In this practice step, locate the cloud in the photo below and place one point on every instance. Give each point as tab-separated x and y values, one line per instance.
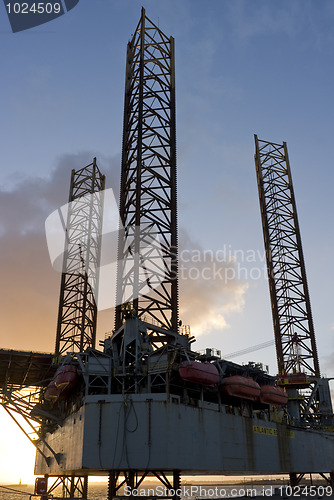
327	367
29	293
209	291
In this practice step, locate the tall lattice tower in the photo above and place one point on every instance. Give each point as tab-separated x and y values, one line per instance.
147	272
77	316
291	308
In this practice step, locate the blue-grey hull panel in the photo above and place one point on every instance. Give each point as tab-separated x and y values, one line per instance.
147	431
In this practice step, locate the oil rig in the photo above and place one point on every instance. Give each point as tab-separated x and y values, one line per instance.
143	403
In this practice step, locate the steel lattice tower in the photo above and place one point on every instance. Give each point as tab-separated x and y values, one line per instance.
291	309
77	316
147	253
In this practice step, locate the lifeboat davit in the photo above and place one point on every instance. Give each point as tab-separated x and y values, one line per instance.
199	373
65	379
272	395
241	387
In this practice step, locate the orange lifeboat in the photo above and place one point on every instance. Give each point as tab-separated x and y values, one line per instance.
52	393
241	387
272	395
65	379
199	373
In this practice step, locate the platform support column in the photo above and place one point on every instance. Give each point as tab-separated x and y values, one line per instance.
331	479
73	487
112	484
293	479
78	485
296	478
176	484
134	479
131	479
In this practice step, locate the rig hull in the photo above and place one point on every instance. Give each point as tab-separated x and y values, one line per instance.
157	432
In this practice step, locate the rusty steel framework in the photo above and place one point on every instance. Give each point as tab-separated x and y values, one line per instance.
71	487
76	329
133	479
291	309
147	271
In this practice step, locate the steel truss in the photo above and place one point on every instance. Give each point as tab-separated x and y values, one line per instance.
147	251
295	478
76	329
20	404
76	487
73	487
291	308
133	479
139	351
21	392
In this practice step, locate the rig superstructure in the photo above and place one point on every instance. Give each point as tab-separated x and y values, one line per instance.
146	404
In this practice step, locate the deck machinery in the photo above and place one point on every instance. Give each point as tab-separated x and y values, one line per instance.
144	403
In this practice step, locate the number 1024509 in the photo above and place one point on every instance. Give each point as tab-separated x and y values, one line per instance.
35	8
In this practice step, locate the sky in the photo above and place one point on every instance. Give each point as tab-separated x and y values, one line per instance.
243	67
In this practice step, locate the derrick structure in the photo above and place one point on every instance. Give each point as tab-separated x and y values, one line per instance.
291	309
77	314
147	281
297	357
